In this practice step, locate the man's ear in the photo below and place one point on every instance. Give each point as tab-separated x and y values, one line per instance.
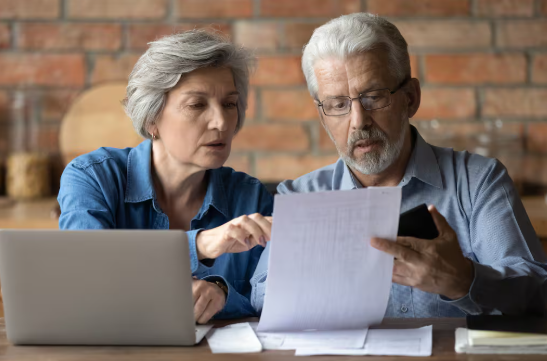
414	96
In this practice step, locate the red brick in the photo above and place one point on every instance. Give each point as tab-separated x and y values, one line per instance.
4	106
198	9
241	163
308	8
539	69
298	34
139	35
446	103
543	7
537	137
257	35
119	9
5	35
456	34
48	138
476	68
30	9
48	36
109	67
414	69
499	8
250	114
272	137
42	69
278	70
325	143
289	104
281	167
55	103
419	7
515	103
522	33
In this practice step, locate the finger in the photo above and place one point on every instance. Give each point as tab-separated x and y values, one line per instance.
238	235
440	222
265	223
404	281
254	230
416	244
396	250
200	307
401	269
195	290
211	310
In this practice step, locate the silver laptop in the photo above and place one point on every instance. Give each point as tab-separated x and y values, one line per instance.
116	287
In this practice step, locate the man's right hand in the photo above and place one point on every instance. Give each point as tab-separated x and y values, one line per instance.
238	235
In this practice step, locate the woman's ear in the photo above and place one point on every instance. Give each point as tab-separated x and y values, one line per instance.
414	96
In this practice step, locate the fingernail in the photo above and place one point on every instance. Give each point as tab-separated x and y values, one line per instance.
262	241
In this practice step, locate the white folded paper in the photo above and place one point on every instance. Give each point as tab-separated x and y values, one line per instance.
236	338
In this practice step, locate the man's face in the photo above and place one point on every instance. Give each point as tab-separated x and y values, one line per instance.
369	141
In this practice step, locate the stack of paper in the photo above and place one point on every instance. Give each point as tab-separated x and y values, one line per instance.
496	342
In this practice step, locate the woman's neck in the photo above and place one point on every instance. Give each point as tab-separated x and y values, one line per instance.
176	183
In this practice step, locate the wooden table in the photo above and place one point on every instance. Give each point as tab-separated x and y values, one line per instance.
443	349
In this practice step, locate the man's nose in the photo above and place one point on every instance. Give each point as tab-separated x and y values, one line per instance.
360	118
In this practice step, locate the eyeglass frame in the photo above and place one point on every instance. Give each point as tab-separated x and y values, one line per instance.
403	83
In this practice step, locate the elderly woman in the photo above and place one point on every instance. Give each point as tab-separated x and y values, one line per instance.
187	95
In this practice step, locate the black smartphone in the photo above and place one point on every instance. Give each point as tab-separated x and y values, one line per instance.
418	223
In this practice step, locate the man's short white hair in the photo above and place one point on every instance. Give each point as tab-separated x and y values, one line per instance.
353	34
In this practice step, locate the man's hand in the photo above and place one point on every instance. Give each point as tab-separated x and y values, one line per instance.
209	300
238	235
435	266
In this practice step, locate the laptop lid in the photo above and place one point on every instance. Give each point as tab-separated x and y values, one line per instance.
103	287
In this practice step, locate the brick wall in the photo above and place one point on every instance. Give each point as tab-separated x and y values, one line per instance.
482	65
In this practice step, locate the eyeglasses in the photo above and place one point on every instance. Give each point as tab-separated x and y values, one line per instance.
371	100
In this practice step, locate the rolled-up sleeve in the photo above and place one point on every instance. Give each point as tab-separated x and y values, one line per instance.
510	266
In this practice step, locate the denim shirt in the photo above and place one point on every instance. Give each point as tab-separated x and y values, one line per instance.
477	197
112	188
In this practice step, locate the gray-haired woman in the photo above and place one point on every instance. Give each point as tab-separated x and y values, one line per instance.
187	95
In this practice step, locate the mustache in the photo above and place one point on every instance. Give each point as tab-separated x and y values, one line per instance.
373	134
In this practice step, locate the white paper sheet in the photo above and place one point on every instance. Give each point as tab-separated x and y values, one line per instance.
311	339
323	273
201	331
411	342
236	338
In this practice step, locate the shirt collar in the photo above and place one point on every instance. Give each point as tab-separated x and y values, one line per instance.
215	195
422	165
140	188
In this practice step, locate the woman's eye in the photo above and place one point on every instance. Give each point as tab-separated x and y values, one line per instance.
230	105
197	106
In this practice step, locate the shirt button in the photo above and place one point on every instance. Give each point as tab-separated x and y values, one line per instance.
404	309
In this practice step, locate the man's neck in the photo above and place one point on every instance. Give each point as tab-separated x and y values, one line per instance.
393	174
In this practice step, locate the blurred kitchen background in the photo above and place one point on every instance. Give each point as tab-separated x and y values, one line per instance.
64	64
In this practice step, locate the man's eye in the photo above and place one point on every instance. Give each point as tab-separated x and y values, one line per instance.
372	97
340	105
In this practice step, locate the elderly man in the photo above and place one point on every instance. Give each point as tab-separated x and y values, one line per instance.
487	258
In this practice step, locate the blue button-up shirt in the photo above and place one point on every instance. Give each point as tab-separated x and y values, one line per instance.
112	188
477	197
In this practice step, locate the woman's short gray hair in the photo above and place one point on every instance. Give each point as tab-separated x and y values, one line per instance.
354	34
166	61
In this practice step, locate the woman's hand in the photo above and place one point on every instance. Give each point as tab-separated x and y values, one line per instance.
209	300
238	235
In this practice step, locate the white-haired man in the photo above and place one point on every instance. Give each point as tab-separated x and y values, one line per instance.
487	258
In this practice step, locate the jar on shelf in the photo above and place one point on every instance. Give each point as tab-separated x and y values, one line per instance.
27	169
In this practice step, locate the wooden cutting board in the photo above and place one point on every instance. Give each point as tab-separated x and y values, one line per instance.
97	119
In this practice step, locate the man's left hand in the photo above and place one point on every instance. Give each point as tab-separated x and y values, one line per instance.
435	266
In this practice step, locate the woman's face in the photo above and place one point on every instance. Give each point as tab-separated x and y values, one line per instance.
200	117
